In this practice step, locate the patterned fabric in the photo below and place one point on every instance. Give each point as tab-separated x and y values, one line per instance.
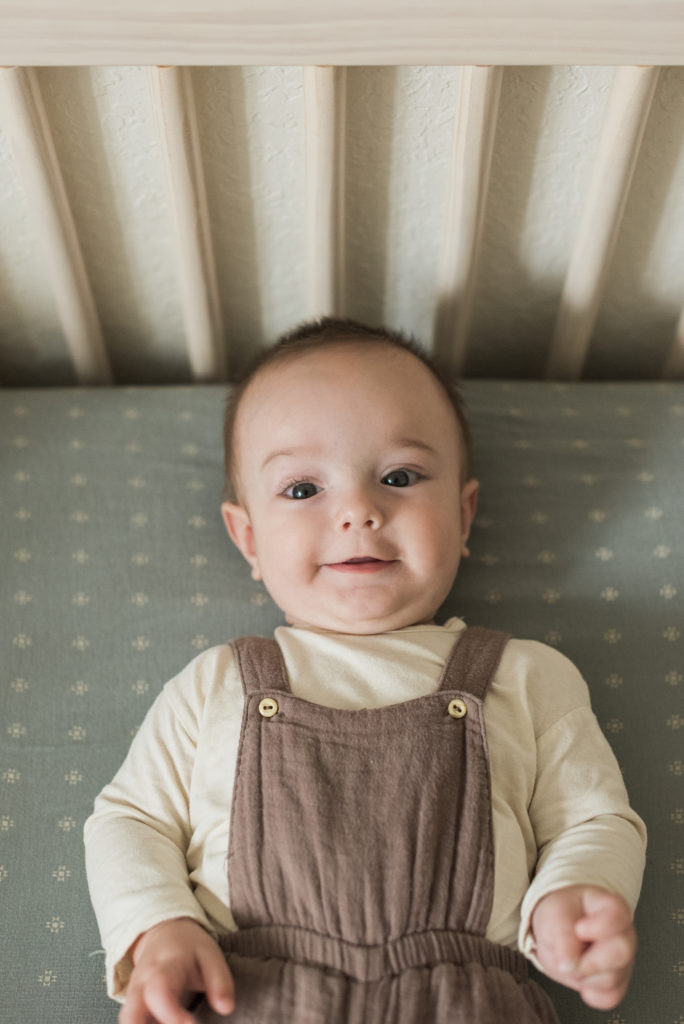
116	570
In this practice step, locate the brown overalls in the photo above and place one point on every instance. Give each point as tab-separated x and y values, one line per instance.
361	856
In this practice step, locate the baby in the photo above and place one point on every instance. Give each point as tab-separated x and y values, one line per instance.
371	817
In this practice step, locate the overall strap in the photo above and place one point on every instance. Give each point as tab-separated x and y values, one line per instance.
261	664
473	660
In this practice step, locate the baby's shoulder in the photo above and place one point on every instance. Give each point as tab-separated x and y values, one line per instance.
210	676
546	683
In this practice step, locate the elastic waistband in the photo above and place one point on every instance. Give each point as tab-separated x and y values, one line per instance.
371	963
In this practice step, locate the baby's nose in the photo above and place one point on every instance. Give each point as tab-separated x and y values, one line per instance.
359	512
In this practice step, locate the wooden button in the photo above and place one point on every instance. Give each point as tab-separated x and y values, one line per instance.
268	707
457	708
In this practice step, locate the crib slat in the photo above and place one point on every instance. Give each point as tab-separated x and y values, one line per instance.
674	364
176	119
474	129
325	111
623	128
25	120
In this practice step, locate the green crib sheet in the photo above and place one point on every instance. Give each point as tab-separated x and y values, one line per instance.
116	571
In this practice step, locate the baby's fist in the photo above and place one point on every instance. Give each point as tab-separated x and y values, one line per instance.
586	940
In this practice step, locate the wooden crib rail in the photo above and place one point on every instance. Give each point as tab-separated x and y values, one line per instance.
24	118
79	32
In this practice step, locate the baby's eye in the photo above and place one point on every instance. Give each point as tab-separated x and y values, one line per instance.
301	489
400	478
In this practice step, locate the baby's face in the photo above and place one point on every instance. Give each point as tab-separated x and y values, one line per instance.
349	466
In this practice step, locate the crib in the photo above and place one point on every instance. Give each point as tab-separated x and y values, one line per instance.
503	180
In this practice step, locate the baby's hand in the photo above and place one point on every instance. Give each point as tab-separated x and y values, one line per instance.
170	962
586	940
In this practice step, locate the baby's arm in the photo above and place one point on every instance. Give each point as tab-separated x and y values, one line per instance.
585	939
170	962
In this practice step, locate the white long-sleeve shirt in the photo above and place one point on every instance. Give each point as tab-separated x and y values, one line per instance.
157	841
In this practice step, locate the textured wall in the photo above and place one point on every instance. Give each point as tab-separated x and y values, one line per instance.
398	148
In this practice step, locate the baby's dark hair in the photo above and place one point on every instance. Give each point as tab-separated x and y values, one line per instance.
330	331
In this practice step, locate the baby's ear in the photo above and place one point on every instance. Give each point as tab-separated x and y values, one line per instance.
469	496
241	533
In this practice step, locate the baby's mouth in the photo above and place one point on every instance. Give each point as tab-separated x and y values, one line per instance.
362	564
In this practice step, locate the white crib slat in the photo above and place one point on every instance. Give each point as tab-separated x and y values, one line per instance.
28	129
623	128
176	118
674	364
325	109
474	129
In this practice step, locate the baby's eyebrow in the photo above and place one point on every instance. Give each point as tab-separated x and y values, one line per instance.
284	452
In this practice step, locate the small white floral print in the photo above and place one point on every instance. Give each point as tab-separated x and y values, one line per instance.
195	485
677	816
79	688
484	522
490	596
539	518
137	482
605	554
197	522
131	414
47	978
75	413
675	722
140	643
23	555
635	442
134	448
186	416
598	515
646	477
553	637
654	513
579	444
668	591
73	777
78	480
610	593
551	596
662	551
140	688
614	725
614	681
67	824
190	449
674	678
140	600
4	874
62	873
490	559
139	520
54	925
672	633
531	480
259	599
23	515
140	558
22	641
676	768
199	600
20	410
678	968
80	643
612	636
569	412
677	410
199	641
11	775
22	598
80	600
20	441
19	685
80	556
6	823
22	477
77	733
199	561
678	915
677	866
546	557
588	479
79	516
16	730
